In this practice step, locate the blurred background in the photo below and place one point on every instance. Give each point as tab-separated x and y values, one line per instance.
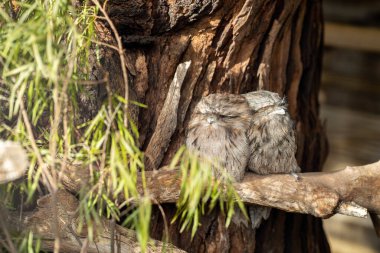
350	106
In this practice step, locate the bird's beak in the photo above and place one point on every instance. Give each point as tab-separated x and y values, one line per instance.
211	119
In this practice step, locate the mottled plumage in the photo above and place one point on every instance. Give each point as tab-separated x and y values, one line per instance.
271	135
217	130
251	131
272	142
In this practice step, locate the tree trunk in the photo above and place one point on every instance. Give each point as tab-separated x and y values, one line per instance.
235	47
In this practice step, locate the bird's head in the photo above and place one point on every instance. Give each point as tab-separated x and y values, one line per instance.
221	110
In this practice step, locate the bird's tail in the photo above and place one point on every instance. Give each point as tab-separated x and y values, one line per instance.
239	219
257	214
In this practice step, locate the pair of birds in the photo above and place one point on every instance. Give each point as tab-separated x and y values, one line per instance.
251	131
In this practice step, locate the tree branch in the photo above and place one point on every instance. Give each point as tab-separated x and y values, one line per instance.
41	223
349	191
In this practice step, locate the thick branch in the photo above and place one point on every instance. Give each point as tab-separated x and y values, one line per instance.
64	217
321	194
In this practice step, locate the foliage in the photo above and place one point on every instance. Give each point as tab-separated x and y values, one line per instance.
43	52
199	188
44	47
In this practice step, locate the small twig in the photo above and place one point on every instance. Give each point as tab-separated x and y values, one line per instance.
110	117
69	227
61	107
164	218
92	82
84	248
105	44
46	176
101	169
122	57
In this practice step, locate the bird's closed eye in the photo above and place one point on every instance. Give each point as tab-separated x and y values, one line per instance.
228	116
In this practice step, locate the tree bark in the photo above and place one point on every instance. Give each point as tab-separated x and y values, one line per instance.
350	191
58	215
235	47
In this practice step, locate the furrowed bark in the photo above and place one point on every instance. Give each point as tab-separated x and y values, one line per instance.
227	42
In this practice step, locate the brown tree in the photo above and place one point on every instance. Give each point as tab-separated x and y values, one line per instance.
235	47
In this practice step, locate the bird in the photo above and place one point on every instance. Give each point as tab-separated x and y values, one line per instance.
252	131
272	142
271	134
218	130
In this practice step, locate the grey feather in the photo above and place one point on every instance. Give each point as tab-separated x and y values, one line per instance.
217	130
251	131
